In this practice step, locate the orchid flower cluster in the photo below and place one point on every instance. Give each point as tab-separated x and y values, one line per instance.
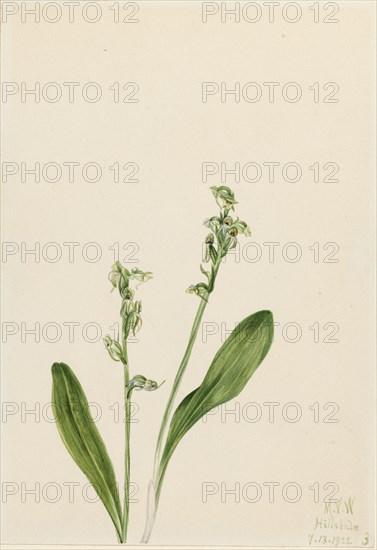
130	312
223	237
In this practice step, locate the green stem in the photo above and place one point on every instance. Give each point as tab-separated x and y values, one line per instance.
177	382
156	487
127	418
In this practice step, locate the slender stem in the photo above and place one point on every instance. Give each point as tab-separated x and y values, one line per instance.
153	494
182	368
177	382
127	461
169	406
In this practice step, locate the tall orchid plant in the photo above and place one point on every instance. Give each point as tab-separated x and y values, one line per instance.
229	372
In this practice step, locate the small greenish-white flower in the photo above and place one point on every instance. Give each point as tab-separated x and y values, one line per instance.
114	348
141	276
247	231
201	289
229	242
191	289
128	294
119	277
241	227
139	382
127	304
151	385
213	223
208	245
135	320
224	197
232	242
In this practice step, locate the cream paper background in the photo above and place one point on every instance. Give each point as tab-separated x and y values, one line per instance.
169	133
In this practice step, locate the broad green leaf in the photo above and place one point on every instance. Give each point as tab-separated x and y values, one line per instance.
82	439
234	364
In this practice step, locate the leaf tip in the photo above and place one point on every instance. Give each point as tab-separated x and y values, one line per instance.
59	368
268	315
55	368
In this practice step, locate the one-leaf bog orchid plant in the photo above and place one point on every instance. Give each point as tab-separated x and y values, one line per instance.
231	369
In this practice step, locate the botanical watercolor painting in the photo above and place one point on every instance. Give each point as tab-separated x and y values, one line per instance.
188	248
230	371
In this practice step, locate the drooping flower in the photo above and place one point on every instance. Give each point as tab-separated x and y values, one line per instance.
141	276
139	382
224	197
201	289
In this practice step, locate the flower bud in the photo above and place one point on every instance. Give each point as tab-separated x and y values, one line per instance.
127	307
208	246
114	348
135	318
136	323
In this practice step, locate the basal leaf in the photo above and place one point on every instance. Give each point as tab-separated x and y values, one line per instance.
234	364
82	439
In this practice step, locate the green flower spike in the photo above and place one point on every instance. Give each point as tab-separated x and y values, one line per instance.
223	238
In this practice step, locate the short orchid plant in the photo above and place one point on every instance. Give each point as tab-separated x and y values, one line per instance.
229	372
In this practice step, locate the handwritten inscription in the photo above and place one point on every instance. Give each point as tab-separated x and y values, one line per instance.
337	526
